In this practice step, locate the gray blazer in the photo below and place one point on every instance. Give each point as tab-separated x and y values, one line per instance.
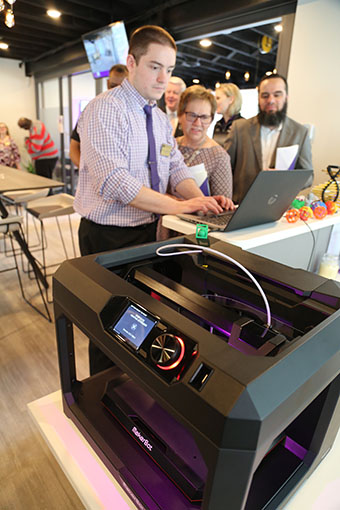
243	145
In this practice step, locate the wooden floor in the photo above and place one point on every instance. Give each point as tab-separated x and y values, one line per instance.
30	478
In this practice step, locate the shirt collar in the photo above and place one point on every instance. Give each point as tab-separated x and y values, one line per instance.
131	90
269	130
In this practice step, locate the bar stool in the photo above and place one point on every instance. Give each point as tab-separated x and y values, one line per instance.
19	200
52	207
8	227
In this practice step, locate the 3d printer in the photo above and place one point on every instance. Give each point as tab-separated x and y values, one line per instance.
208	404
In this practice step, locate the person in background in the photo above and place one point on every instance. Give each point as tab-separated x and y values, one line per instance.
196	111
229	103
40	146
121	191
9	153
175	88
252	143
116	75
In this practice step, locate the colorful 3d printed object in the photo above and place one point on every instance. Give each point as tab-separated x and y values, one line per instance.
319	209
292	215
297	203
305	213
331	207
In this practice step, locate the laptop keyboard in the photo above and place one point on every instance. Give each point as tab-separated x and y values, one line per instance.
218	220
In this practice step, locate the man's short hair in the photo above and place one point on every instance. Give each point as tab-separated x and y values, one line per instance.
176	80
142	37
230	89
120	69
271	77
196	92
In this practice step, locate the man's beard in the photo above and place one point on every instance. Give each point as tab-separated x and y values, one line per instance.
272	119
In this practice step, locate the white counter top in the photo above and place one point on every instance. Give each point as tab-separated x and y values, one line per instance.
256	236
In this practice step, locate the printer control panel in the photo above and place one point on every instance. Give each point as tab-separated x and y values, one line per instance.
160	345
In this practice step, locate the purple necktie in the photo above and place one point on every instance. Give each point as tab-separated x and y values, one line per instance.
152	160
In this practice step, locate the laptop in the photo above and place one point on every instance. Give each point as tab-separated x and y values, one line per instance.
269	196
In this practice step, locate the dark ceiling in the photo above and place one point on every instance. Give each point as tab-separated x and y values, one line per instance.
36	36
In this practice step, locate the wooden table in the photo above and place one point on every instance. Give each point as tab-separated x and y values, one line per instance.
12	179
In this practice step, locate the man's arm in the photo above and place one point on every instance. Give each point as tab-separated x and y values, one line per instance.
305	157
150	200
75	152
304	161
230	144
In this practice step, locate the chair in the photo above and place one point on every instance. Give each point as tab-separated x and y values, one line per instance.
52	207
8	228
19	200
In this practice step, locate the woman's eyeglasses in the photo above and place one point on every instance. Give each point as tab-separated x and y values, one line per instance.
191	117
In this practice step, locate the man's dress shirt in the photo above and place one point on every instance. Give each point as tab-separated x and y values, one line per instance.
113	163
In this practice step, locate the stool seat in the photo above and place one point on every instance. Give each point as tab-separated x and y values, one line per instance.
10	224
52	206
22	197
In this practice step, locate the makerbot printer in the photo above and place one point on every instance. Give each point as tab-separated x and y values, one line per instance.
223	392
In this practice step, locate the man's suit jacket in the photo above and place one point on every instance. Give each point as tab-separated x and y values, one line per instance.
179	131
243	145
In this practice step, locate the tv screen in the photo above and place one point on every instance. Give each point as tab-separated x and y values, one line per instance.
106	47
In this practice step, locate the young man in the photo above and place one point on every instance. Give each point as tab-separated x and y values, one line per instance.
114	195
115	198
252	143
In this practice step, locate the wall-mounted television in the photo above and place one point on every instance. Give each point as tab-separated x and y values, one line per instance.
106	47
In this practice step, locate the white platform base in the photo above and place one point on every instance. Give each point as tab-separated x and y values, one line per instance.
98	489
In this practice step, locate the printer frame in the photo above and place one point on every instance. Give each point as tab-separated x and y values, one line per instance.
262	422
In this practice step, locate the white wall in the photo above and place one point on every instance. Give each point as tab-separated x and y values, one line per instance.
17	100
314	78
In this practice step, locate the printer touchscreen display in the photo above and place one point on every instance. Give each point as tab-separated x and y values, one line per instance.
134	326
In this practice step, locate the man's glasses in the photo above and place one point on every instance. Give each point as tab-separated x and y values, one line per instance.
191	117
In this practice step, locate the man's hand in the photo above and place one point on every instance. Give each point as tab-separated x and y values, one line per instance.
226	203
216	205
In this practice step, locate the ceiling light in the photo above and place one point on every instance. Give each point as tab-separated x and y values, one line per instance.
278	28
275	71
2	5
54	13
246	76
205	43
3	46
11	2
268	73
217	85
227	75
195	80
9	18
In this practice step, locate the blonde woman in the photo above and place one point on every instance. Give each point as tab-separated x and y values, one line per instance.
229	103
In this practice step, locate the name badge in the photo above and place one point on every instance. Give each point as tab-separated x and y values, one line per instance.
166	150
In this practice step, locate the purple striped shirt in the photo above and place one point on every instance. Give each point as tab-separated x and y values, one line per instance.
113	164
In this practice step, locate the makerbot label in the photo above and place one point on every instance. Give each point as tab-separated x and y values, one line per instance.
142	438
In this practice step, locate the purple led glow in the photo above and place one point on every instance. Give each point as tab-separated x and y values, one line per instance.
298	450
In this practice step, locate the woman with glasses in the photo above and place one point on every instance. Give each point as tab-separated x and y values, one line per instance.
9	153
196	111
229	102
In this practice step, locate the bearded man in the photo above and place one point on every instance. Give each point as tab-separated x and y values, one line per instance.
252	143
